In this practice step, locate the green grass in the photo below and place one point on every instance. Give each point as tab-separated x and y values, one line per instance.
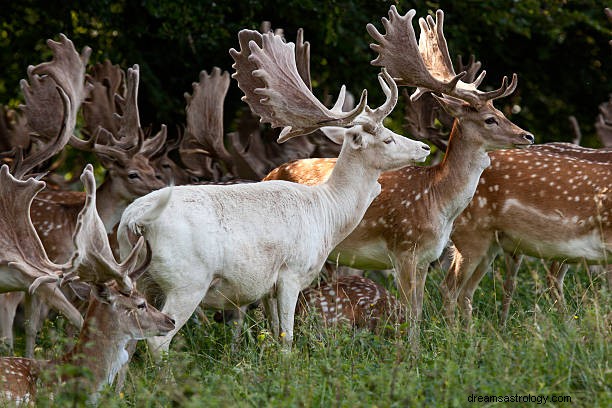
539	353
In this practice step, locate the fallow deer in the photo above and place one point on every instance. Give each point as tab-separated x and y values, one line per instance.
543	204
409	223
125	154
117	313
353	300
233	245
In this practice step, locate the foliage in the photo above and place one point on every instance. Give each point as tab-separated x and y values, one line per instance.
558	48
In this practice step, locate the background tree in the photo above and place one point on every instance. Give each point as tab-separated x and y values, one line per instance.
558	48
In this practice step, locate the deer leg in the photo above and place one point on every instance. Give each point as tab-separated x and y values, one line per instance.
411	280
466	295
8	308
555	277
271	310
467	255
513	263
180	304
287	293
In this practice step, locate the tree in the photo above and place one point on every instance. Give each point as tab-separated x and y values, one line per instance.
559	49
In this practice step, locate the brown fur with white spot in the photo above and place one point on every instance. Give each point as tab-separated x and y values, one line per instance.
352	300
408	225
531	202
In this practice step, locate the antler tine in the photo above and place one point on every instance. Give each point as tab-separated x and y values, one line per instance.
205	114
99	108
94	261
390	90
284	100
302	58
427	65
398	51
130	132
22	249
67	68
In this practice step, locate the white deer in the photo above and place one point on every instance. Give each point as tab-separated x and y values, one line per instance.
233	245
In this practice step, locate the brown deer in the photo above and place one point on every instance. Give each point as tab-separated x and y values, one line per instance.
117	313
409	223
353	300
534	202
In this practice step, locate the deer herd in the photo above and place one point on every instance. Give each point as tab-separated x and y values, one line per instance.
188	222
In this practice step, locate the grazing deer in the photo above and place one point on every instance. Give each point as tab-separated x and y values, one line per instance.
409	223
352	300
233	245
117	313
533	202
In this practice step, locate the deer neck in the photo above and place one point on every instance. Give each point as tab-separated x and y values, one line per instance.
100	347
456	177
351	188
111	203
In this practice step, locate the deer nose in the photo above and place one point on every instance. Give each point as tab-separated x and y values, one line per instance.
426	148
529	137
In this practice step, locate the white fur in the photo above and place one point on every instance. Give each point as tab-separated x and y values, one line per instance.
262	240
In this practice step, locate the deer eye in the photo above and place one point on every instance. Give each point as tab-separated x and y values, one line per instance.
142	305
388	140
133	175
490	121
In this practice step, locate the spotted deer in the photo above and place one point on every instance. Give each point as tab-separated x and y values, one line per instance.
53	93
116	314
116	139
352	300
409	223
532	202
233	245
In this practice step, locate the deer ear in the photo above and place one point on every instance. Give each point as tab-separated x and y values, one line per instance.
102	293
452	106
357	140
334	133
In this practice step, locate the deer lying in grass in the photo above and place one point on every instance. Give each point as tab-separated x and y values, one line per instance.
233	245
409	223
117	313
352	300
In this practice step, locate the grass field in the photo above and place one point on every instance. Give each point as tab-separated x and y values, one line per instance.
540	354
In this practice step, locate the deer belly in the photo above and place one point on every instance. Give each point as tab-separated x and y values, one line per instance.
589	246
372	255
228	293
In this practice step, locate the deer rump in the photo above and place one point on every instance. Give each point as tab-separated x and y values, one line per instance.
238	261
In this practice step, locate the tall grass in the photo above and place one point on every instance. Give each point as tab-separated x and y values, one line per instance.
540	352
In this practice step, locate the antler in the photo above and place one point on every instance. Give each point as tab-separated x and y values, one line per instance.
267	74
94	261
203	140
21	247
117	134
426	65
99	109
54	86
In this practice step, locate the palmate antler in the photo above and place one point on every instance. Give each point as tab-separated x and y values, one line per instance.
202	146
94	261
54	86
427	65
273	88
23	252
